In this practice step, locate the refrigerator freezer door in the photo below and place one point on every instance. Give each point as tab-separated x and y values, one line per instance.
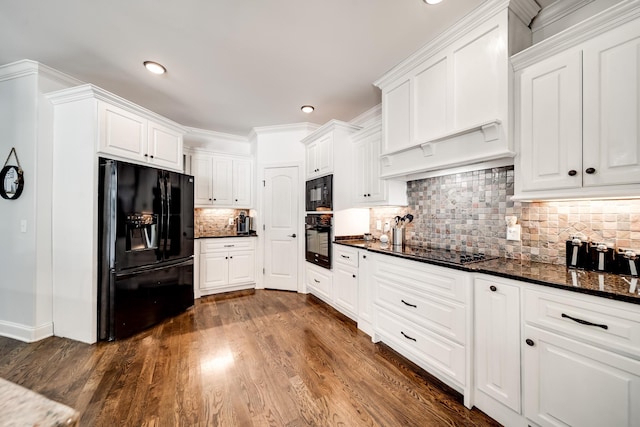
144	299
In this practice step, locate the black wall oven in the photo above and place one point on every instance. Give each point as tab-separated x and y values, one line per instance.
318	232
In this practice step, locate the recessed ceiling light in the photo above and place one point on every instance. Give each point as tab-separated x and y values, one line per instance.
154	67
432	1
307	109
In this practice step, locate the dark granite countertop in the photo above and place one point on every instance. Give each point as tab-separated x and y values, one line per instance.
225	234
612	286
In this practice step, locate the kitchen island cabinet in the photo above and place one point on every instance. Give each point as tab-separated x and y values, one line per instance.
577	108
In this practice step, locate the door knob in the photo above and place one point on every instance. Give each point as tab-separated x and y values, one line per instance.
293	235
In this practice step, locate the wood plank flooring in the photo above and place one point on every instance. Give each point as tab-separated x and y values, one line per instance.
255	358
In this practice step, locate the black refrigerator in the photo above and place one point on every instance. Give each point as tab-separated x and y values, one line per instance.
145	252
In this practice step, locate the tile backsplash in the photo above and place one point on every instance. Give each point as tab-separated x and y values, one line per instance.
466	211
211	222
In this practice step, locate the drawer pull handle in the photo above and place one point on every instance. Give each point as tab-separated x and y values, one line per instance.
345	256
585	322
229	246
407	336
410	305
316	280
493	288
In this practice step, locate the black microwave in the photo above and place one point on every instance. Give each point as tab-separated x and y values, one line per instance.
318	196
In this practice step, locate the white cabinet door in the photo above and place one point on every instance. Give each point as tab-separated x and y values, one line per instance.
612	107
241	186
551	123
214	271
497	341
122	133
362	171
396	112
365	294
345	283
165	147
324	159
567	383
202	170
222	182
311	153
241	267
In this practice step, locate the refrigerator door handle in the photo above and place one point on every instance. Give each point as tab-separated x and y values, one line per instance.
168	197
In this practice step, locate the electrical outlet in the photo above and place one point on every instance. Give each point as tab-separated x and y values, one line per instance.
230	221
379	225
513	232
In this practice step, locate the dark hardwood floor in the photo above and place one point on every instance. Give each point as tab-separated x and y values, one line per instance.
263	358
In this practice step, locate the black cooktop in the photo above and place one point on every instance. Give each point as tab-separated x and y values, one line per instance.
436	254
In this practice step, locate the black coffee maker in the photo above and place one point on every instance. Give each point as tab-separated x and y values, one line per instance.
244	223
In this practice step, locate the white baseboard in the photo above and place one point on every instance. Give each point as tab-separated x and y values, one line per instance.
25	333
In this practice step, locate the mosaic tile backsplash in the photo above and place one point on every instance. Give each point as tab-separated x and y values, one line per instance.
214	222
466	211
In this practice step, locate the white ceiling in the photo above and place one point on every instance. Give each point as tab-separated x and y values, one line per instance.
232	64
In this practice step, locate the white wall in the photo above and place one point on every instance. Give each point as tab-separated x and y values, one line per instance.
26	123
279	146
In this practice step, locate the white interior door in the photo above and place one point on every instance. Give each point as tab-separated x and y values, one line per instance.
281	228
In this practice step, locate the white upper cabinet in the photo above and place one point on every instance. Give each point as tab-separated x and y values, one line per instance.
319	156
578	108
449	104
222	181
370	189
328	150
126	134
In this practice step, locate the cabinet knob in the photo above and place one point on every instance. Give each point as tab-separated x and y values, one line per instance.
226	257
493	288
151	156
209	199
368	195
530	342
354	276
590	171
146	155
572	172
230	257
364	256
236	200
215	200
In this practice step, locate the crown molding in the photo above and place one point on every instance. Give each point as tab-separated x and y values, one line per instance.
330	126
211	134
469	22
26	67
305	127
556	11
89	91
619	14
368	116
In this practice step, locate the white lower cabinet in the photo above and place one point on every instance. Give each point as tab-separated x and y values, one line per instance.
345	280
365	294
226	264
319	282
569	383
497	348
423	312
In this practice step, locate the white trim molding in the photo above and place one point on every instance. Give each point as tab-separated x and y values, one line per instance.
25	333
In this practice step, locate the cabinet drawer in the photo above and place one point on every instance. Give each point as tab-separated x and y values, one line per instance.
345	255
320	282
447	318
441	281
591	319
430	350
226	244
